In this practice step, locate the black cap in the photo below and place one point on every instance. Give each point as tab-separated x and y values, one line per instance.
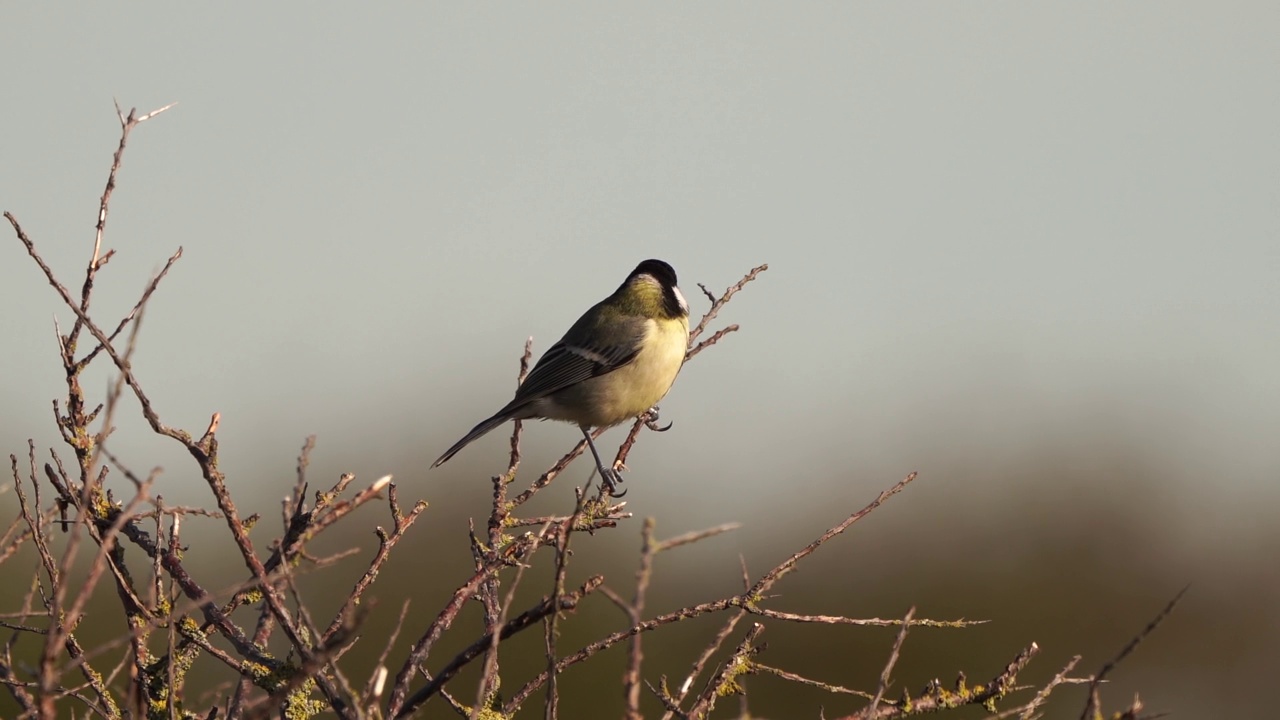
659	270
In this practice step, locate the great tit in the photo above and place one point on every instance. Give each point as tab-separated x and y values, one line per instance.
616	362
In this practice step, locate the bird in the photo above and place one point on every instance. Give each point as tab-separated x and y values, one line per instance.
614	364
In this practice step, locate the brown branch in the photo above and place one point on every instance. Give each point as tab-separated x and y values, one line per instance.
692	537
377	681
613	639
106	541
715	338
607	517
770	578
935	697
749	599
147	410
138	307
58	638
386	542
127	124
489	680
554	471
802	680
422	648
863	622
514	552
549	622
99	517
1093	707
883	683
624	449
192	636
18	689
1028	711
298	497
635	613
719	303
548	606
171	636
669	703
513	461
115	391
700	663
486	553
308	671
726	681
649	548
172	566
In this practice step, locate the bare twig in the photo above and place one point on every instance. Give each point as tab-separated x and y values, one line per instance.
802	680
862	622
1028	711
883	684
700	663
727	680
649	548
635	613
548	606
935	697
400	524
748	600
489	680
513	461
718	303
549	622
1093	708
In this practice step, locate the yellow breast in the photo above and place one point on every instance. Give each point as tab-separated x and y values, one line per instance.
630	390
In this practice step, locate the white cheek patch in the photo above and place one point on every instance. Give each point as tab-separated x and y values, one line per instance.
680	296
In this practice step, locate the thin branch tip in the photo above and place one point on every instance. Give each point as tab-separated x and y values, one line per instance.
153	113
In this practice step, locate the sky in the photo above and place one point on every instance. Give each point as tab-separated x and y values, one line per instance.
991	229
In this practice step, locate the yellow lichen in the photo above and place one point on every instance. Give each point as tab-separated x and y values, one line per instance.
729	686
299	705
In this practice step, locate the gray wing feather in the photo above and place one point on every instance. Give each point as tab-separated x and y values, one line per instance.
564	365
561	366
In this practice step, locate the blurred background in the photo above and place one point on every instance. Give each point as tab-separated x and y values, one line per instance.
1030	252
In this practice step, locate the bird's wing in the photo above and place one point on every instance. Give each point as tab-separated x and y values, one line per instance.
565	364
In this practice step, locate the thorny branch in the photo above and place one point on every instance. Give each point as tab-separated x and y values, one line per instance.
160	590
154	679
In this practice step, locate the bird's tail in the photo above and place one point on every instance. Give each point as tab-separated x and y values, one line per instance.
476	433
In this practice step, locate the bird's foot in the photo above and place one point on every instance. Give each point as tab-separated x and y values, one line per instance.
611	479
651	420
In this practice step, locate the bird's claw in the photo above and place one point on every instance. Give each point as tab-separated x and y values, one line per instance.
612	479
651	420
